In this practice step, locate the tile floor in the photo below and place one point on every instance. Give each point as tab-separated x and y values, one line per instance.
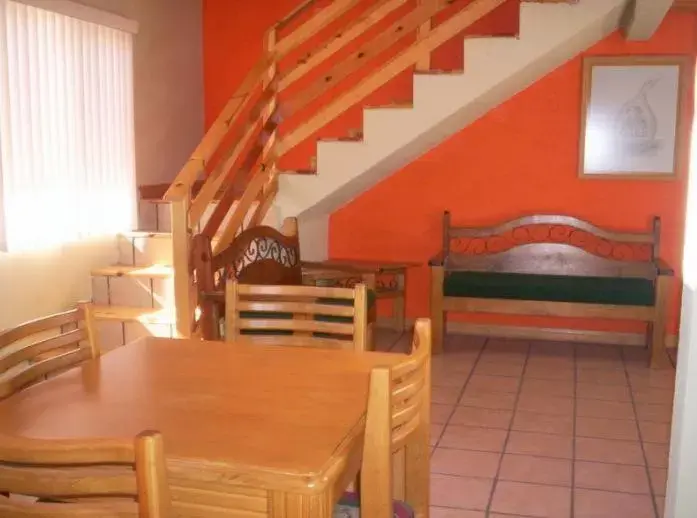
546	430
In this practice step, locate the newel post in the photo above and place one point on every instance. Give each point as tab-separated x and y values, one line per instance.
181	244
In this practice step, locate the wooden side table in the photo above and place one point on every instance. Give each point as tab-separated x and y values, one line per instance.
386	278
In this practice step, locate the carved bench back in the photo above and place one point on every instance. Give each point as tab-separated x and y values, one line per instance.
551	245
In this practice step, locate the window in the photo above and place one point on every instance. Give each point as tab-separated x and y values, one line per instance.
67	168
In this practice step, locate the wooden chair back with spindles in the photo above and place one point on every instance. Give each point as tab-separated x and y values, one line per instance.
81	478
34	350
309	316
397	420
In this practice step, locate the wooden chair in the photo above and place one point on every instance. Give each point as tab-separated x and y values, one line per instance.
296	315
40	348
396	438
76	478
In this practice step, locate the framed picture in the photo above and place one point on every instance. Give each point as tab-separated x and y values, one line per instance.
632	117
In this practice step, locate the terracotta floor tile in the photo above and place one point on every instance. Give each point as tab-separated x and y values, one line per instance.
547	387
493	368
651	378
659	479
539	363
589	503
507	345
656	455
484	417
493	383
531	500
604	364
445	395
460	492
449	379
655	396
446	512
543	423
604	392
655	432
540	470
604	409
598	352
436	431
533	371
473	438
453	362
606	450
484	399
655	413
611	477
622	429
601	377
540	444
552	349
464	463
546	404
440	413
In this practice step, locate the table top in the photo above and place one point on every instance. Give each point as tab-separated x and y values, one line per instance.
276	416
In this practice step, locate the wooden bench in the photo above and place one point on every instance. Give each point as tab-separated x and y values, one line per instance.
552	265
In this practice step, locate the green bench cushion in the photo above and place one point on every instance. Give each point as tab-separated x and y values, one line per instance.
554	288
372	297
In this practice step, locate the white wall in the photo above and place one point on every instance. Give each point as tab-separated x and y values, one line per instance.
168	125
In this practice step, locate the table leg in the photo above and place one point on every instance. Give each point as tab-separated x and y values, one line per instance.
293	505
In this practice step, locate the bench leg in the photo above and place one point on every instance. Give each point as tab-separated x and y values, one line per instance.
399	303
659	357
437	312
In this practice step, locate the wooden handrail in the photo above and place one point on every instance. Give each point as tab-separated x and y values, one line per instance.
342	38
311	27
217	131
439	35
386	39
283	22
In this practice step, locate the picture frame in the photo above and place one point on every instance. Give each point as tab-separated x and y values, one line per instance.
632	120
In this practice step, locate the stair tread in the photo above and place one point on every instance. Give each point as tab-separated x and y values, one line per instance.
127	313
146	233
120	270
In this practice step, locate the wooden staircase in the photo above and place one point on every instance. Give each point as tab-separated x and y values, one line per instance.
231	180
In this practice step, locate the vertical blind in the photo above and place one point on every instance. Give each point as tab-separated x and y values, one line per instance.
67	165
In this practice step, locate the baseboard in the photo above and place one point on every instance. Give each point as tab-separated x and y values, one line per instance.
545	333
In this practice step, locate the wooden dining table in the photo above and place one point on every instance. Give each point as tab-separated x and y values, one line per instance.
248	430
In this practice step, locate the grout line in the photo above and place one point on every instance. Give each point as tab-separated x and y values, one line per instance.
652	494
510	428
462	391
573	430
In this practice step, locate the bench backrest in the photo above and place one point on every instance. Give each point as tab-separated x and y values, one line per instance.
551	245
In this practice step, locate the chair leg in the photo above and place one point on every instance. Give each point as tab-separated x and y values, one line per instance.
437	311
659	357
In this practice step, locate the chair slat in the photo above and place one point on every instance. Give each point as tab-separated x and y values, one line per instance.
296	325
405	391
67	482
33	372
296	291
10	359
12	509
36	326
293	341
18	450
296	307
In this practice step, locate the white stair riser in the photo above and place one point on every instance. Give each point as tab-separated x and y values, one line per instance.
112	333
145	250
147	292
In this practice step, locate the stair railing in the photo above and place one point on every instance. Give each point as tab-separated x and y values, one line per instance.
243	144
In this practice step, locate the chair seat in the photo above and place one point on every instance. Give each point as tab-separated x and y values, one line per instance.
350	507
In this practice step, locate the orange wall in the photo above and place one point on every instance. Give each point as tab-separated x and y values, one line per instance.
522	157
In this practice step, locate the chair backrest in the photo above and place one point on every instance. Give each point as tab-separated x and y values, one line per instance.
34	350
258	255
78	472
297	315
399	405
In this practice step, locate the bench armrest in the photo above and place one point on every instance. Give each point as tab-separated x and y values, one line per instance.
663	268
437	260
